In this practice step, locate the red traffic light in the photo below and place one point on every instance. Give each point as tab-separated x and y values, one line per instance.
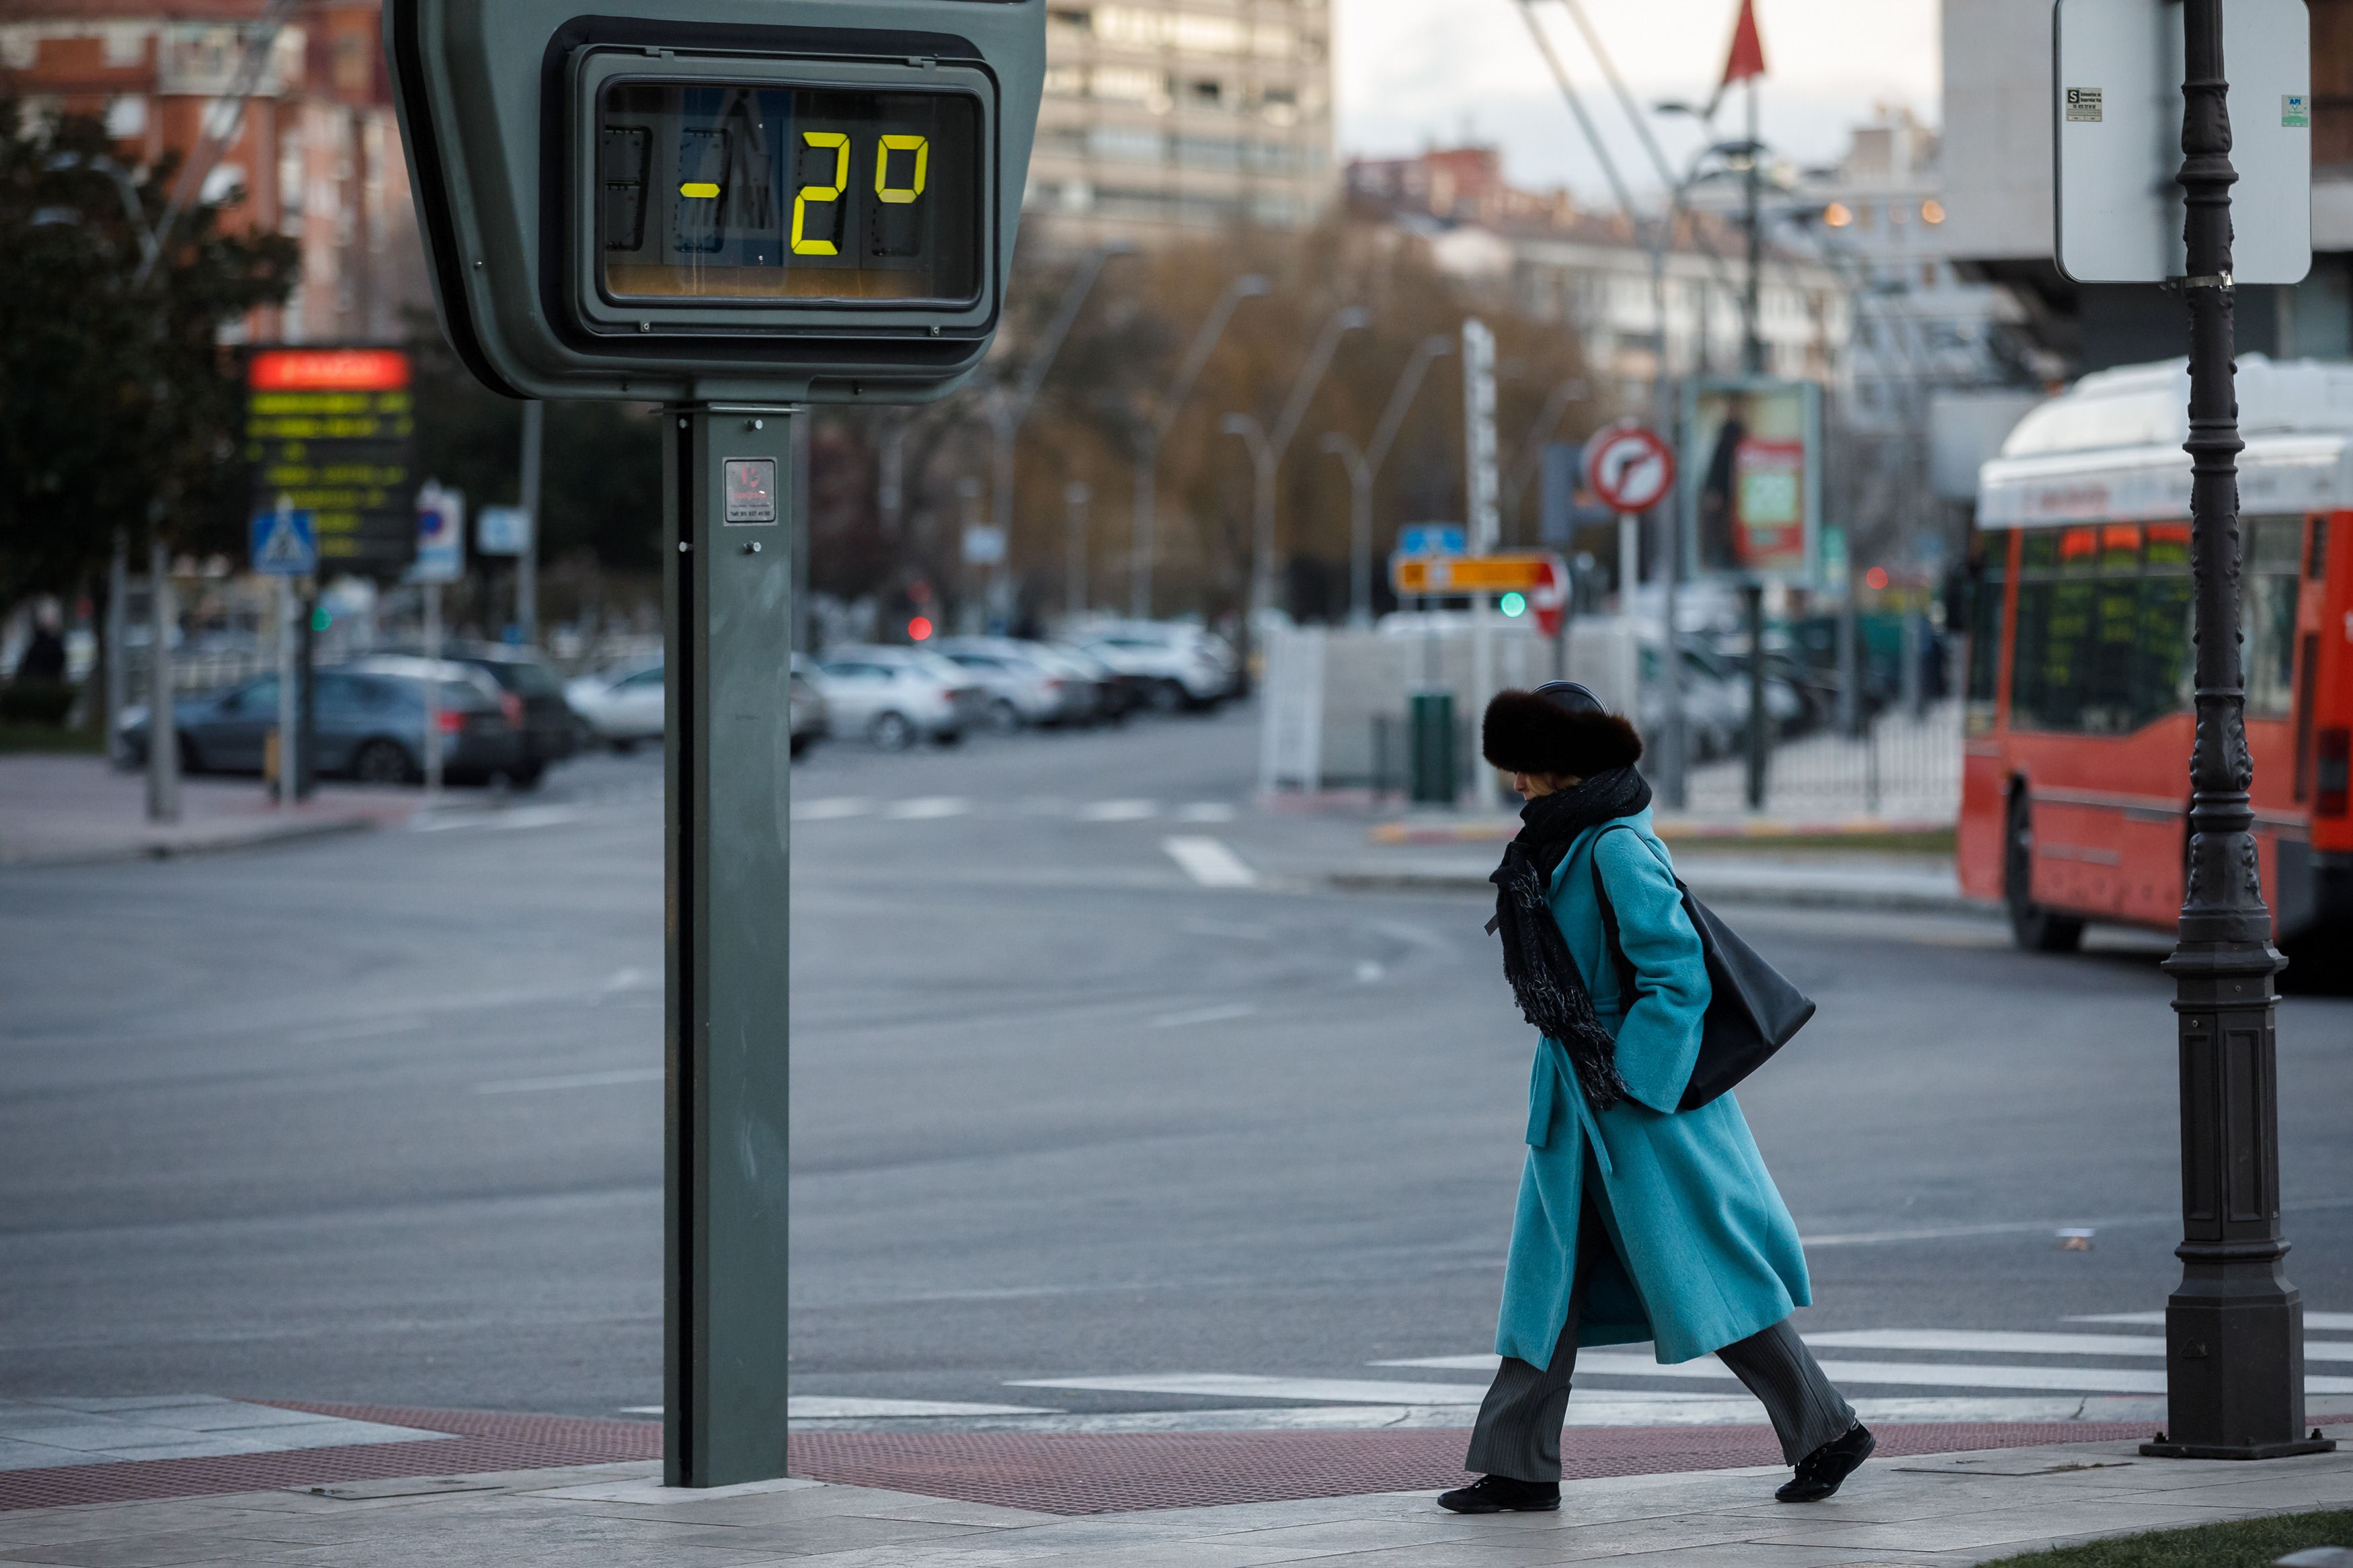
920	629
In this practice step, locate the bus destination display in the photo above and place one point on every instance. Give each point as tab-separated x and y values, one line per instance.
763	194
333	430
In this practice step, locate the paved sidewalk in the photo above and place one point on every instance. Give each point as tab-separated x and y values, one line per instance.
1934	1509
67	809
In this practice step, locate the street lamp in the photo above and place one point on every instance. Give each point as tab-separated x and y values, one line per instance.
1007	407
1266	449
1363	464
1153	428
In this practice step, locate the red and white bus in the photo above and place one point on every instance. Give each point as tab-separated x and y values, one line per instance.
2075	791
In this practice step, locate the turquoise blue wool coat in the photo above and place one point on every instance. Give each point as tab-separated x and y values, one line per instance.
1704	1252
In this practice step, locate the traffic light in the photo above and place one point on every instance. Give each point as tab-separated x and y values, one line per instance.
754	200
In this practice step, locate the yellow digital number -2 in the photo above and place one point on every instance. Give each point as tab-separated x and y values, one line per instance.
839	142
898	196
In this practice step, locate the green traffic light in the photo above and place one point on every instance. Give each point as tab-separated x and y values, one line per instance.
1514	604
323	617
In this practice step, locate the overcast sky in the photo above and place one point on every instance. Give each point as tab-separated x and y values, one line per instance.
1413	73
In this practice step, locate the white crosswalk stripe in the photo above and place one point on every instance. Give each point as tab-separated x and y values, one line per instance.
837	809
1118	810
2044	1376
2326	1323
1208	862
927	808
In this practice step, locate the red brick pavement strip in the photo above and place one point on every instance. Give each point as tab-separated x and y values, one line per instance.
479	1441
1047	1473
1076	1473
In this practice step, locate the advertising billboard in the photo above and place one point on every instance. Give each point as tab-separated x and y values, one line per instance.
1752	473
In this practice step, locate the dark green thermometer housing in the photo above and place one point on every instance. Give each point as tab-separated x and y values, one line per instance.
728	200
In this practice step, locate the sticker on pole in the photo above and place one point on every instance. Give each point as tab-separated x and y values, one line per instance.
1629	469
750	490
285	544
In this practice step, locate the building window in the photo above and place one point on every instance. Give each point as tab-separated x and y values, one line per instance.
1206	93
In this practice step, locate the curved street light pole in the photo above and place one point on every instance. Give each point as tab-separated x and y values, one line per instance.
1364	466
1152	430
1007	407
1267	448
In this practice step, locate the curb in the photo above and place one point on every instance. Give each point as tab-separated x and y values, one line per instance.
1785	895
290	833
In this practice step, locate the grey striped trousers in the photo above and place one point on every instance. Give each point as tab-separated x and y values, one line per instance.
1518	1430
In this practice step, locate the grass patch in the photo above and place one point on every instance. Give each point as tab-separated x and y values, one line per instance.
2242	1544
1937	842
50	738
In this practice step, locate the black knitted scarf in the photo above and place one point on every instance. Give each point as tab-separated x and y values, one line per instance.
1537	961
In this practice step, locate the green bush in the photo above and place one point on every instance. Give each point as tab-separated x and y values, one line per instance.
35	702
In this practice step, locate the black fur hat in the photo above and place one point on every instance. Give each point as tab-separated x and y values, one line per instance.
1561	728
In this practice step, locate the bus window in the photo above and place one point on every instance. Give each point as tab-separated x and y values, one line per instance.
1986	631
2103	628
2273	555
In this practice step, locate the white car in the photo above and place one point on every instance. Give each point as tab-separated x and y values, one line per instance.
1023	686
620	708
893	696
1173	665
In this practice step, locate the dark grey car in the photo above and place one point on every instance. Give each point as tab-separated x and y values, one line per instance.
550	730
368	725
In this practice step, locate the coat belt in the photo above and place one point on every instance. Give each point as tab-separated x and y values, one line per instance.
1553	1076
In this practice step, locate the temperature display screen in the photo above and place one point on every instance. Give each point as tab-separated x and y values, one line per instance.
760	194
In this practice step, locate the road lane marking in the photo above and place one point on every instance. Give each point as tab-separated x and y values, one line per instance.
1218	1014
571	1080
2335	1321
927	808
830	808
369	1029
1237	1385
1996	1342
1118	810
536	816
1208	862
1921	1374
825	1407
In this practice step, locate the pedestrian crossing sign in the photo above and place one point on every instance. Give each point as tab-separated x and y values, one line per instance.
285	544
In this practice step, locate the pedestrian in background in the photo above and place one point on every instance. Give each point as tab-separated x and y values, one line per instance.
1638	1220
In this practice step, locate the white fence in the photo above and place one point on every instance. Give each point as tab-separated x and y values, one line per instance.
1333	701
1901	768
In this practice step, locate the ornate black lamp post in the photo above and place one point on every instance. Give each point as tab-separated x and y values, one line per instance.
2234	1326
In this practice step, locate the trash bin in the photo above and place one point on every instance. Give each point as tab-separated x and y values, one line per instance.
1431	749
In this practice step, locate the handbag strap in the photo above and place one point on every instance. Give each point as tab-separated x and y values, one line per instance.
1629	978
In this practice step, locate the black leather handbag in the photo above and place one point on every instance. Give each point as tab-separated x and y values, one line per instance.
1752	1009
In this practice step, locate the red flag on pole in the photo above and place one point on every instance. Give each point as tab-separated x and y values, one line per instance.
1747	57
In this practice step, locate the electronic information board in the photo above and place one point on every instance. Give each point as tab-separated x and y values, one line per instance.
333	430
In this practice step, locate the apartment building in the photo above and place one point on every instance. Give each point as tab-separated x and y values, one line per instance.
1546	259
313	152
1168	116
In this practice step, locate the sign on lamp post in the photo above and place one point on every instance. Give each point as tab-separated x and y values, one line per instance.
2233	1326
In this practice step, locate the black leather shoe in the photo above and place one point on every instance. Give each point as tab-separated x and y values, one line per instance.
1501	1494
1820	1472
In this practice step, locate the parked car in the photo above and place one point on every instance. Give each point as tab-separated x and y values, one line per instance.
811	721
620	708
1105	697
1022	687
550	730
893	696
366	724
1170	665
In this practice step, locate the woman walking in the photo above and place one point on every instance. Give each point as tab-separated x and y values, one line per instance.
1636	1220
